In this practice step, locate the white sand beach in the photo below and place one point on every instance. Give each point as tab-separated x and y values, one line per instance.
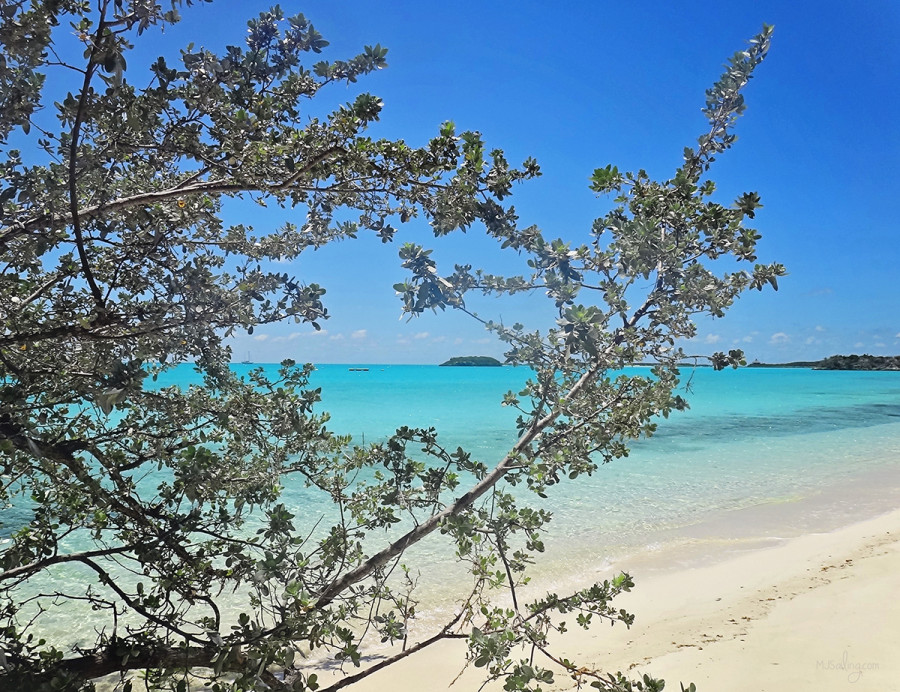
815	612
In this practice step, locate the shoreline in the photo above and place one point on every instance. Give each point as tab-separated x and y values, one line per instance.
817	612
814	611
850	493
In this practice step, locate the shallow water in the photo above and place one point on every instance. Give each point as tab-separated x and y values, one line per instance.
761	455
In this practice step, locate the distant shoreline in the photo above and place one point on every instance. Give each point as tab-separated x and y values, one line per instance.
849	363
852	362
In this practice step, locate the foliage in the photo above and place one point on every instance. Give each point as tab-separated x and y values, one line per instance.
158	512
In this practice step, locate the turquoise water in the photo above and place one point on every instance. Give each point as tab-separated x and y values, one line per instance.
824	445
751	436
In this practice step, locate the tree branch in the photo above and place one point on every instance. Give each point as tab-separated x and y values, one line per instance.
114	658
58	559
223	186
73	161
390	660
108	581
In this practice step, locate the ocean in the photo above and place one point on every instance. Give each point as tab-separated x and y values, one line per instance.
762	455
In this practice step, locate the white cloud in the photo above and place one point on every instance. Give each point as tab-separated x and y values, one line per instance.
402	341
811	340
819	292
779	338
747	339
293	336
880	345
458	340
421	335
260	337
439	339
858	344
820	328
712	339
359	334
336	337
897	335
482	341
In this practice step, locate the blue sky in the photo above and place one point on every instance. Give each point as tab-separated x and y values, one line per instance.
579	85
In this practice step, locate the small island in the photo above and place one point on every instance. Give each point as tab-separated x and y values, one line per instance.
855	362
473	361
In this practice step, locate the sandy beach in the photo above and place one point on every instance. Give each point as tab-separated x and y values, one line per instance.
819	612
814	612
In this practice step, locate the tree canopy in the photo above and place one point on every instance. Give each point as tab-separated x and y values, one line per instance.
117	262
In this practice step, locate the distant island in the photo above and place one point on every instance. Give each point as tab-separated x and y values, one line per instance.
851	362
476	361
863	362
